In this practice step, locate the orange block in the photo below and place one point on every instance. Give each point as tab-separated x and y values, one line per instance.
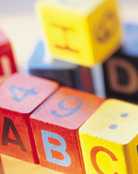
55	126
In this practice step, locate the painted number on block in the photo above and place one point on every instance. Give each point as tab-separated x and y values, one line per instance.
106	27
19	94
68	106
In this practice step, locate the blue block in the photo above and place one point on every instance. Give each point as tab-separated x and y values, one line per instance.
67	74
130	40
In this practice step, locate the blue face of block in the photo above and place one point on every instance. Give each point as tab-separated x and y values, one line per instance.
38	57
130	41
40	54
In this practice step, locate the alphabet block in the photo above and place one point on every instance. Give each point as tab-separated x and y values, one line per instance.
69	25
66	73
111	138
20	95
12	165
120	71
7	59
55	126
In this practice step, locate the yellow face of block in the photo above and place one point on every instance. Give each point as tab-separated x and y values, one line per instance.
105	30
113	129
111	121
66	33
70	34
11	165
131	151
102	157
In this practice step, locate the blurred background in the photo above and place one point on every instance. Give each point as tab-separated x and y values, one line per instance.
19	21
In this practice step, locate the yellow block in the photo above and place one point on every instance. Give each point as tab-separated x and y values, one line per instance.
132	156
82	32
11	165
109	139
102	157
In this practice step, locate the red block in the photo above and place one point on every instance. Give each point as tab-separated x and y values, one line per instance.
20	95
55	126
7	60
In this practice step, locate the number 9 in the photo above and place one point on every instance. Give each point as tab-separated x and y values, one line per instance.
68	110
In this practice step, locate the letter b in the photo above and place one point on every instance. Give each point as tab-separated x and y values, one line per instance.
50	148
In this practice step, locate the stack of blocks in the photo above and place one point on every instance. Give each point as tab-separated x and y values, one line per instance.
65	73
81	33
62	129
66	130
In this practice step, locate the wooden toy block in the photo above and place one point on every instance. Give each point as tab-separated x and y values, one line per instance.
84	79
120	71
12	165
55	126
81	32
57	70
7	59
112	141
65	73
20	95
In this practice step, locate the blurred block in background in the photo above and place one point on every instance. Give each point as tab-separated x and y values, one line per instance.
7	59
84	33
65	73
121	70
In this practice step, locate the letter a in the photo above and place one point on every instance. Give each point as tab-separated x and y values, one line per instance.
8	124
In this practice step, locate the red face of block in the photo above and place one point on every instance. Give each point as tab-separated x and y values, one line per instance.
20	95
7	60
55	127
14	133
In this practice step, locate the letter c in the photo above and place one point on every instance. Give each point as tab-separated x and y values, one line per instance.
94	153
